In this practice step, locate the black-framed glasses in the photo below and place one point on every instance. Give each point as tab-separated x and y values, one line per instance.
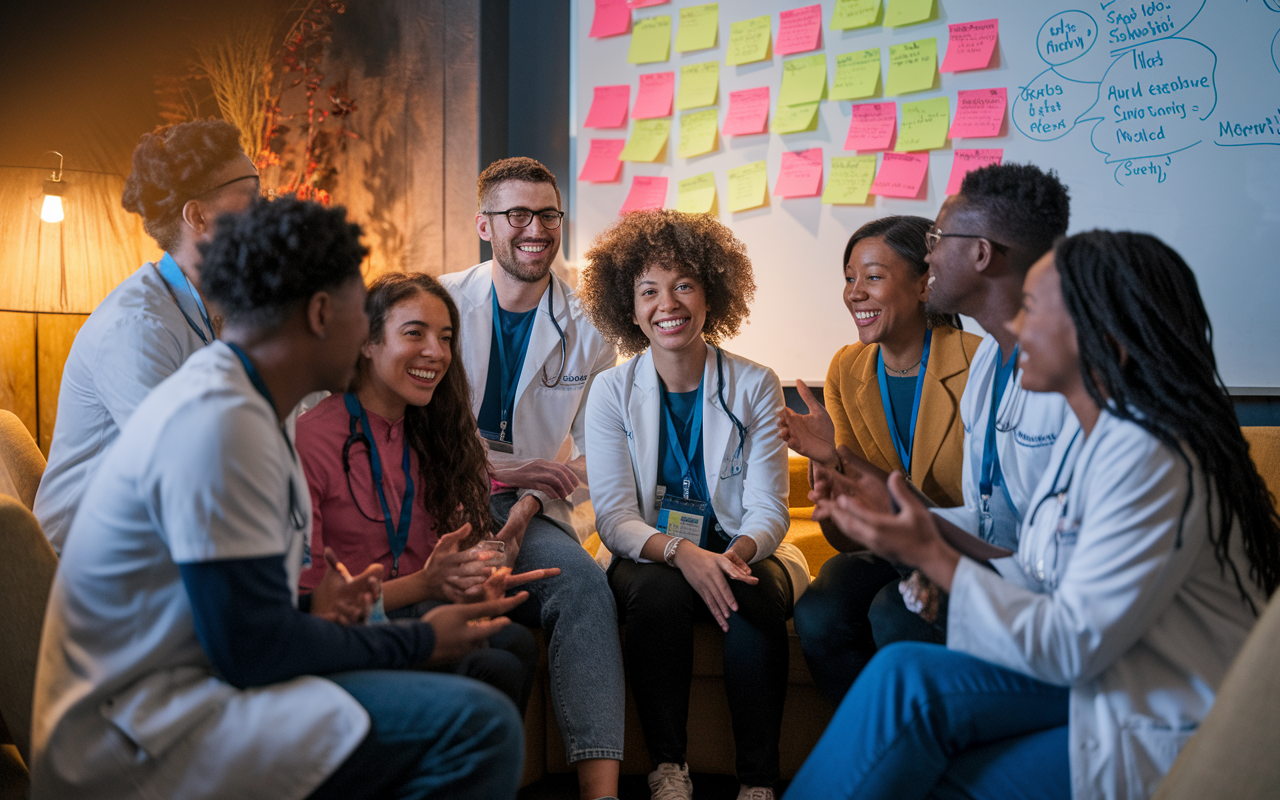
523	217
932	238
254	176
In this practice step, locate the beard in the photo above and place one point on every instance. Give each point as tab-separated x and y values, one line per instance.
508	257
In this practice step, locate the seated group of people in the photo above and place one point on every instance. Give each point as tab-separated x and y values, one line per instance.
1056	526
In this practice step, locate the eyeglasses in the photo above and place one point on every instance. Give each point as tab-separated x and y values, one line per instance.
932	237
522	217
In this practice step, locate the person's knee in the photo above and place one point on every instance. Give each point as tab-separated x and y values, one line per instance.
654	591
489	723
903	671
818	614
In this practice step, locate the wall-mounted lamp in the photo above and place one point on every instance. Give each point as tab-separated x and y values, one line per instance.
51	211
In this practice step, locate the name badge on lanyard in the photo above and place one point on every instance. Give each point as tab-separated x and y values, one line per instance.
686	519
679	514
990	457
398	533
509	382
903	448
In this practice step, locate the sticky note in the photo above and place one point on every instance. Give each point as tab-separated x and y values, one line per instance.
901	174
970	45
650	40
854	14
804	80
748	112
911	66
748	41
800	174
697	133
799	30
646	192
657	90
698	85
924	125
612	18
748	186
871	126
796	119
856	75
645	3
696	195
850	180
979	112
602	164
967	161
609	107
907	12
698	27
648	137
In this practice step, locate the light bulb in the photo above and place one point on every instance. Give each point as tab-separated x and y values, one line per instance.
51	211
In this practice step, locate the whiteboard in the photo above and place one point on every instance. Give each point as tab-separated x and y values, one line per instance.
1195	161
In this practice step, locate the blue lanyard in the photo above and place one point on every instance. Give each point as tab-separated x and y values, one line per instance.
507	396
684	457
398	536
173	275
904	450
989	455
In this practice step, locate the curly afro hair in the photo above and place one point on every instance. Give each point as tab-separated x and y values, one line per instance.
669	239
172	165
265	262
517	168
1023	207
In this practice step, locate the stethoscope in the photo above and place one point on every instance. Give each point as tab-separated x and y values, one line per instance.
1013	405
735	463
1039	573
564	340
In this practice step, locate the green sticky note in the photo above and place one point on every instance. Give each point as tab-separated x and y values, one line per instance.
856	75
854	14
907	12
924	125
698	27
698	194
648	137
912	66
748	41
804	80
748	186
698	133
650	40
850	180
796	119
698	85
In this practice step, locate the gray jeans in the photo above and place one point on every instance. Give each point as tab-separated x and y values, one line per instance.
576	612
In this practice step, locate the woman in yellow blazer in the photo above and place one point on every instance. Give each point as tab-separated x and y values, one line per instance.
894	400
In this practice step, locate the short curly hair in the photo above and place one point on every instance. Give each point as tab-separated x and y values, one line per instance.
172	165
518	168
1022	207
665	238
273	257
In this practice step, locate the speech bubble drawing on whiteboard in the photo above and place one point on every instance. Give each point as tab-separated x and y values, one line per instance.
1149	170
1065	37
1047	108
1148	21
1275	50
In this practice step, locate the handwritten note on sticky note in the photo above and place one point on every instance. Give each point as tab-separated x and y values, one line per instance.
800	174
748	41
850	180
612	18
650	40
871	126
907	12
901	174
799	30
803	80
799	118
912	66
609	107
748	186
924	125
602	164
698	27
970	45
698	85
979	113
967	161
646	192
854	14
648	137
856	75
646	3
657	89
748	112
697	133
696	195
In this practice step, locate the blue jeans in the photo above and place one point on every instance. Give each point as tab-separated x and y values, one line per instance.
430	735
576	612
924	721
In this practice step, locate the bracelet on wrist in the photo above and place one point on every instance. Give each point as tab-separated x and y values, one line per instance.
669	551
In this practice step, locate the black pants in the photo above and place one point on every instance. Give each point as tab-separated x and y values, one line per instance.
659	607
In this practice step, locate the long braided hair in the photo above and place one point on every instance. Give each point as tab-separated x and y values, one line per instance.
1146	354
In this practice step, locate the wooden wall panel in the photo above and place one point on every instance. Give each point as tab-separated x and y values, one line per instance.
56	334
18	367
461	133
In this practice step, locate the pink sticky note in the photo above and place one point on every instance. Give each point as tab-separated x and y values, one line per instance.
609	107
748	112
901	174
970	45
799	30
967	161
646	3
871	126
612	17
979	112
657	89
602	164
646	192
801	174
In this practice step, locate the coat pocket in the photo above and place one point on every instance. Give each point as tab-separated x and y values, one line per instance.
160	709
1150	747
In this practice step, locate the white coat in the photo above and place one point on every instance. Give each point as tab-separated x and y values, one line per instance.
623	416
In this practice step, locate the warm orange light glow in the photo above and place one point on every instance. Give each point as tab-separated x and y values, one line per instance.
51	211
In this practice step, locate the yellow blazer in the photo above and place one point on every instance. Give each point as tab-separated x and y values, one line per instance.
852	397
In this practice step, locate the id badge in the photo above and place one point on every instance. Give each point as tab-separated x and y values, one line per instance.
686	519
498	447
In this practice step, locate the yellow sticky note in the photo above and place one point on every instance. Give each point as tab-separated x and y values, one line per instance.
698	27
748	41
856	75
698	85
698	194
796	119
854	14
650	40
748	186
850	180
804	80
648	137
907	12
924	125
912	66
698	133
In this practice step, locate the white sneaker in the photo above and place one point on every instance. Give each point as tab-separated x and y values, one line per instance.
755	793
670	782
